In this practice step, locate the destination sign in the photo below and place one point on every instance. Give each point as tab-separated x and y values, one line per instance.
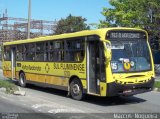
125	35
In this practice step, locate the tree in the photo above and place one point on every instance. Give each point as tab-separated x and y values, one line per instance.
71	24
143	14
134	13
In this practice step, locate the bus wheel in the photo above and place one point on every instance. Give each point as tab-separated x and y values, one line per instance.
22	80
76	90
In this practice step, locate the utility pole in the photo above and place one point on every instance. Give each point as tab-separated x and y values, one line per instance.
29	19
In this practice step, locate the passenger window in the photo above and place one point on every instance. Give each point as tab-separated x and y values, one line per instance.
30	51
57	51
40	51
20	53
74	50
46	51
7	53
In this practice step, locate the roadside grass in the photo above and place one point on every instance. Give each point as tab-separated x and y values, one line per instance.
157	84
8	85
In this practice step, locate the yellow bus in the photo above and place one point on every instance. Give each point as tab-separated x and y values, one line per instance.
102	62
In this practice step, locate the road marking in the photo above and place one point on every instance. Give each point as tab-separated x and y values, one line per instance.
50	105
37	105
60	104
51	111
60	110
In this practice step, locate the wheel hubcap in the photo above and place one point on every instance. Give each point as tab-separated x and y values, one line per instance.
22	80
76	89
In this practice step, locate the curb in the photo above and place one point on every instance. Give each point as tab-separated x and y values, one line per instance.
156	89
16	92
19	92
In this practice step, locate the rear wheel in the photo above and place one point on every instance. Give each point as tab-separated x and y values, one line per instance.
22	80
76	89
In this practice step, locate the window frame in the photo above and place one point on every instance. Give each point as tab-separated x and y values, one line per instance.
4	54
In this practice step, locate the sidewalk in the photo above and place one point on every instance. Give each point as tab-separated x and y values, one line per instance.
157	72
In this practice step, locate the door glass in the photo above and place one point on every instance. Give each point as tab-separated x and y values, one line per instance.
94	67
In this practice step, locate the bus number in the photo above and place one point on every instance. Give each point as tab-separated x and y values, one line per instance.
67	73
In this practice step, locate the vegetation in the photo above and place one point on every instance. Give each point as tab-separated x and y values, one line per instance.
157	84
10	87
134	13
71	24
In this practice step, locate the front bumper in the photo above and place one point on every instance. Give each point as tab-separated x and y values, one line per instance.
115	89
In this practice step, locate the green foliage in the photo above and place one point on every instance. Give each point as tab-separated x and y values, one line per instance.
10	87
71	24
157	84
133	13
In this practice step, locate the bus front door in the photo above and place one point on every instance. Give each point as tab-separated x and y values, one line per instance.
93	71
13	62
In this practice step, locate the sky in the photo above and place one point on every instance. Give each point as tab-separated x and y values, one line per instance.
55	9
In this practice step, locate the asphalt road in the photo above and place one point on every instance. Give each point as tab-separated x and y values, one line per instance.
52	102
46	101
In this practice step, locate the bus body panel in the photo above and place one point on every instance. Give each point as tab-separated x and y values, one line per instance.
51	73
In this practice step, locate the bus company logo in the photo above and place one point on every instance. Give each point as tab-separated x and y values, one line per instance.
33	68
127	66
79	67
47	68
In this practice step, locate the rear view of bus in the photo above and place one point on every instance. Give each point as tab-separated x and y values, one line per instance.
131	63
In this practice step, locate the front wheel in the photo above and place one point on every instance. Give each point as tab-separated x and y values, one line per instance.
22	80
76	90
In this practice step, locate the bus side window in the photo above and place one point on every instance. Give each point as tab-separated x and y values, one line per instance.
69	55
7	53
46	51
19	53
57	52
79	54
30	51
40	51
74	50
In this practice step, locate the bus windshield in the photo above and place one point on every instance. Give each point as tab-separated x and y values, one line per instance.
130	55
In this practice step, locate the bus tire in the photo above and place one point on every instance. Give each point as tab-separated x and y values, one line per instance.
22	80
76	89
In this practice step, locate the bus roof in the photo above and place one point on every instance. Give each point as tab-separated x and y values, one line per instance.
100	32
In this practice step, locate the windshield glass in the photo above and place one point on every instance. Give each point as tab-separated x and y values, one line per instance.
130	55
